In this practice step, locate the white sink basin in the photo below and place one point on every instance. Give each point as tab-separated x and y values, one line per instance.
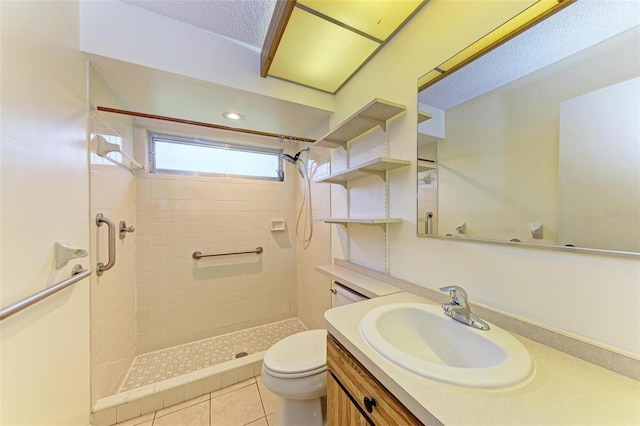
422	339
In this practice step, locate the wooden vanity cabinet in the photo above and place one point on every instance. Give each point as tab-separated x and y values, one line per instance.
355	397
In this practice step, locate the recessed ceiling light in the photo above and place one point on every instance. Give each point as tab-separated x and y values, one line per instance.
232	116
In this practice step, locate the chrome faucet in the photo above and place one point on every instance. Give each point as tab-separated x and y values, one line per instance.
458	308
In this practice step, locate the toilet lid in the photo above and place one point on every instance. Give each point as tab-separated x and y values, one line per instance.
301	352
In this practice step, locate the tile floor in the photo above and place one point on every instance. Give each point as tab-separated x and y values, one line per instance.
245	403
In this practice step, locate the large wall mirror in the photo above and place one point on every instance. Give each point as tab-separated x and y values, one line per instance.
538	140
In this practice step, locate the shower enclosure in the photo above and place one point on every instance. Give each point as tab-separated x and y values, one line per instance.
163	321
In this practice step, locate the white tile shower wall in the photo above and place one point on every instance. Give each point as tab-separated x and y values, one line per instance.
181	299
314	297
113	345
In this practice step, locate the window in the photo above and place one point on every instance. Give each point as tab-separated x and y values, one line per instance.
172	154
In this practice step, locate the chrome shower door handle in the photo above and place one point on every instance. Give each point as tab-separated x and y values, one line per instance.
101	267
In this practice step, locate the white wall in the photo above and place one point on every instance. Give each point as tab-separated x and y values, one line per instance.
566	291
498	167
600	168
44	376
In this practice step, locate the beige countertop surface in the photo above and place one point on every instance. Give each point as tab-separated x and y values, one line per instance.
565	390
364	285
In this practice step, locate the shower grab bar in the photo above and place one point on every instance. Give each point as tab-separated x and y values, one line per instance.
77	274
198	255
101	267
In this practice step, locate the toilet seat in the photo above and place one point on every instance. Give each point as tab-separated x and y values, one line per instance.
294	375
299	355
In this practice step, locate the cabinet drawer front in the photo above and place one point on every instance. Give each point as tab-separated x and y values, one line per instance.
360	384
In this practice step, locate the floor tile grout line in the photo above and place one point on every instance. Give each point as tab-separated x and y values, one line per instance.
155	415
242	387
264	409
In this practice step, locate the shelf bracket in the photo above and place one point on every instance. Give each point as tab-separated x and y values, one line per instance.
341	144
382	174
345	225
380	123
383	226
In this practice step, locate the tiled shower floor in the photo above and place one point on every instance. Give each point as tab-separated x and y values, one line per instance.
172	362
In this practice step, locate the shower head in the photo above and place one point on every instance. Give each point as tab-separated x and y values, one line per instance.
290	159
294	159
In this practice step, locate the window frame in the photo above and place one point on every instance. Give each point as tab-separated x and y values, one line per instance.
154	137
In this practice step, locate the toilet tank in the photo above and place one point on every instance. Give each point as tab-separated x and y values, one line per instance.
343	295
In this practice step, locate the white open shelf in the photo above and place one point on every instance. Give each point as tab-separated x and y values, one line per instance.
377	166
375	113
423	116
426	165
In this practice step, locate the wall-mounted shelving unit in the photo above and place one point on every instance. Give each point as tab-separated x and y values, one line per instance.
376	166
375	113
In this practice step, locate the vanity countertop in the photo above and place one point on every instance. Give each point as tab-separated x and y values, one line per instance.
564	391
362	284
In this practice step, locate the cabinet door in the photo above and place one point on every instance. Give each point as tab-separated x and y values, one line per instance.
362	386
340	409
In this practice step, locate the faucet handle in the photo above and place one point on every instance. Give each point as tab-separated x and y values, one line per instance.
458	295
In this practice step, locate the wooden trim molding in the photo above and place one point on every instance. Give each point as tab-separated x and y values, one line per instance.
279	21
203	124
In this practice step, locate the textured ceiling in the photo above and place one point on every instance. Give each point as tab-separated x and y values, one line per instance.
245	21
571	30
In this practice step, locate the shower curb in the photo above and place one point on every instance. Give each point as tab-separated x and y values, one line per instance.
147	399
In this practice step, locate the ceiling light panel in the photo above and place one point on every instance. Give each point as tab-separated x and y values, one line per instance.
317	53
377	18
322	43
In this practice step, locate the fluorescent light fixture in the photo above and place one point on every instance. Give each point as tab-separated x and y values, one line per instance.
322	43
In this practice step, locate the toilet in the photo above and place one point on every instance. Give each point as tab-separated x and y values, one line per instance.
295	370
